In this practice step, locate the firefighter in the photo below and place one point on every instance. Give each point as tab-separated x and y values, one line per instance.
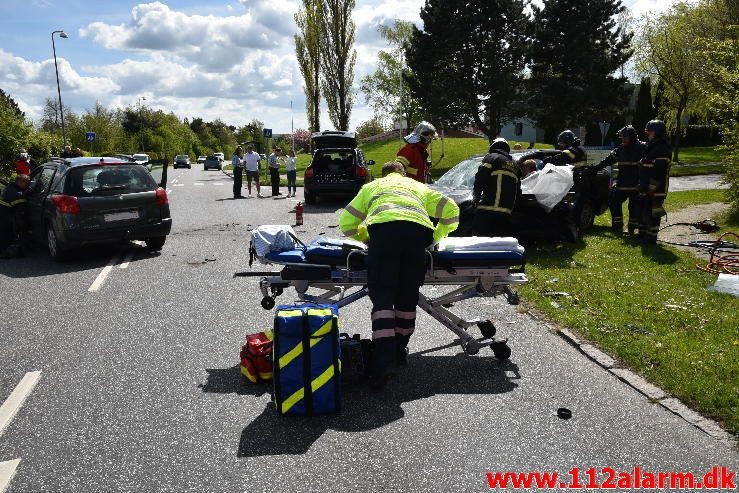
625	162
497	185
414	156
23	165
573	153
654	178
394	213
12	217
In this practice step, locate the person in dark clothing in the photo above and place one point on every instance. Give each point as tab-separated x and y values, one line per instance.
654	179
238	165
625	161
573	153
12	217
497	186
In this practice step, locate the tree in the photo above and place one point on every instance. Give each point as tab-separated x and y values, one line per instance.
307	50
10	104
669	52
301	138
337	59
577	49
645	109
386	90
14	133
369	128
106	123
468	62
718	82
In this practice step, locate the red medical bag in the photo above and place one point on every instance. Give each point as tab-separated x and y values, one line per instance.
256	357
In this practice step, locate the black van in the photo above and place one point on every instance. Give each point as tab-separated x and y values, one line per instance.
337	167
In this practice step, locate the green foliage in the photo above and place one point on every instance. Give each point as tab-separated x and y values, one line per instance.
577	47
468	62
645	109
338	56
386	90
15	132
308	53
719	84
369	128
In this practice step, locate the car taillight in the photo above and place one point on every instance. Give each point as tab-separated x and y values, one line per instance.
162	198
66	204
309	173
360	171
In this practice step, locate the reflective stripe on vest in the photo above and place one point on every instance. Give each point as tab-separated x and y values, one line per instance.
12	203
394	192
440	206
410	208
354	212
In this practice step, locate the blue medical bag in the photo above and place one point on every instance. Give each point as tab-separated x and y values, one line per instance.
307	360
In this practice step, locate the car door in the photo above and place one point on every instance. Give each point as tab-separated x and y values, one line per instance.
38	190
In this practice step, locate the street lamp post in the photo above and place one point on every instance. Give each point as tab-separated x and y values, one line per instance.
62	34
141	133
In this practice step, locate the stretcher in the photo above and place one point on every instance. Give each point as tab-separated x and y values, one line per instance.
332	271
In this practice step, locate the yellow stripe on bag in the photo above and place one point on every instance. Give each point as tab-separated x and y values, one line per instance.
316	337
316	384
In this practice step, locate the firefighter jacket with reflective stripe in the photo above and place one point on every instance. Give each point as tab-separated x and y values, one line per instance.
574	155
497	183
13	197
414	157
625	162
654	168
398	198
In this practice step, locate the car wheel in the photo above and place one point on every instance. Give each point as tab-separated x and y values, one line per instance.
56	250
155	243
587	216
310	197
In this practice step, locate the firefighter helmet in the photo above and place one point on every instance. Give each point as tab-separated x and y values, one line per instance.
501	144
657	126
628	132
424	132
567	139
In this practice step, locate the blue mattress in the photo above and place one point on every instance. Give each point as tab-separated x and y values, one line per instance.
331	252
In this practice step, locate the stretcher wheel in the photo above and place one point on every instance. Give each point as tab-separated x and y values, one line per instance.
487	328
472	347
278	291
268	302
501	350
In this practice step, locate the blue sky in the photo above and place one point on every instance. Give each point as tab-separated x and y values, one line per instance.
229	59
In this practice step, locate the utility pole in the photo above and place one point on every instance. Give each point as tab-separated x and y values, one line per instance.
141	122
62	34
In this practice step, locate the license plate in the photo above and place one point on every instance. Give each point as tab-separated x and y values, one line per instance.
120	216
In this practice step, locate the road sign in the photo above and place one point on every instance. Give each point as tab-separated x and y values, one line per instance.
267	132
90	136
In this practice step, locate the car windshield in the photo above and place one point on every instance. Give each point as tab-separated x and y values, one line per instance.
182	156
461	176
91	181
333	160
212	158
141	157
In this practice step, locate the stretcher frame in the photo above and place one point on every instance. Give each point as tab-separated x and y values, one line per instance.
343	286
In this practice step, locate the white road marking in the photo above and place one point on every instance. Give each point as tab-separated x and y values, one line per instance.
100	279
16	398
127	260
178	184
169	190
174	181
7	471
218	184
198	184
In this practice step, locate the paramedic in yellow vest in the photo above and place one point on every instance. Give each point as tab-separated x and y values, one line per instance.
393	214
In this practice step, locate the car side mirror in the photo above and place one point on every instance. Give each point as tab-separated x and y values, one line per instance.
370	162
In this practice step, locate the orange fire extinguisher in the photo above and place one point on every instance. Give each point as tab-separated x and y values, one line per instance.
299	214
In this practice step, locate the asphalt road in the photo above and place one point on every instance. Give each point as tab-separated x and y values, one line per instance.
140	389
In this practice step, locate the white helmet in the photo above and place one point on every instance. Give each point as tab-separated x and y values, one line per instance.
424	132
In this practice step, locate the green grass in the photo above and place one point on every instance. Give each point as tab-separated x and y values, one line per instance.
702	154
649	307
692	170
680	200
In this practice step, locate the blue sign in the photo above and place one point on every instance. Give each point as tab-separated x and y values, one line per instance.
267	132
90	136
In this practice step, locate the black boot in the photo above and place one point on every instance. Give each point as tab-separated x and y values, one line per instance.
401	349
382	366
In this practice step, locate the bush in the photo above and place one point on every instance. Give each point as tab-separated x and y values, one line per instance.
731	166
701	136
